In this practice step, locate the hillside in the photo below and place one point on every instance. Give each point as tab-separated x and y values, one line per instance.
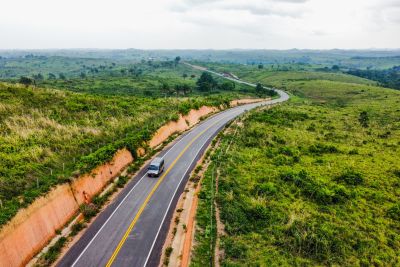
49	135
312	182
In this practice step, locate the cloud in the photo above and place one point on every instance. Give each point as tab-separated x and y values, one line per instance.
281	8
268	11
319	33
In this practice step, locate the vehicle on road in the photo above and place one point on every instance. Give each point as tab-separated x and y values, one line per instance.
156	167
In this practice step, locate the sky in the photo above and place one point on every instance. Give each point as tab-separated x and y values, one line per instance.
200	24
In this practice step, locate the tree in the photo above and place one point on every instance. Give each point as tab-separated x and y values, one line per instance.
335	68
364	119
178	89
206	82
186	89
177	60
61	76
227	86
259	88
192	76
184	76
26	81
38	77
165	89
260	66
52	76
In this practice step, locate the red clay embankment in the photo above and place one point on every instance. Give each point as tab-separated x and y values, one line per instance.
182	124
33	227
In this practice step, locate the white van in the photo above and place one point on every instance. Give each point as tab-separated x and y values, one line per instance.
156	167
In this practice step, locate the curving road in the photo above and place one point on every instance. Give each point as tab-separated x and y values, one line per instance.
132	229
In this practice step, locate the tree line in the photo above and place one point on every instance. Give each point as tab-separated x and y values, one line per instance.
388	78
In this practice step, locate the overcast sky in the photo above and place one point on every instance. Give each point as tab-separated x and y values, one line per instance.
200	24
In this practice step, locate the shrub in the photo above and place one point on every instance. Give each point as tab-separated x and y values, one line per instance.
53	252
351	177
315	240
234	249
174	117
76	228
394	212
265	189
322	149
363	118
88	210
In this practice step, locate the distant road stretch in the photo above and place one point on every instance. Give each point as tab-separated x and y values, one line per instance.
132	229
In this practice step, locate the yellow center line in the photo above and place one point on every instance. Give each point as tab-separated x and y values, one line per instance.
132	224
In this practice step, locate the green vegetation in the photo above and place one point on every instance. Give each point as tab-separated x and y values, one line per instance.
389	78
111	77
48	136
312	182
52	254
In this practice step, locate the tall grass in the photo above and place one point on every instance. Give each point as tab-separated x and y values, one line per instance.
306	184
48	136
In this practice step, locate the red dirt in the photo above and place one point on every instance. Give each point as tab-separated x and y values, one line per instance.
32	228
183	124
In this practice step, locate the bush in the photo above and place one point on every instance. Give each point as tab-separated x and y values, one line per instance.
88	210
351	177
322	149
394	212
315	240
265	189
51	255
234	249
174	117
76	228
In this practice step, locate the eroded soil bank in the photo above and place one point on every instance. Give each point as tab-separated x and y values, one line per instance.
33	227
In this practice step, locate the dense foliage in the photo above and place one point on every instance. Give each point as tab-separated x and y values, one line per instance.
113	77
312	182
387	78
48	136
351	58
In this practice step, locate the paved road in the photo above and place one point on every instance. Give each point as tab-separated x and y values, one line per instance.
132	229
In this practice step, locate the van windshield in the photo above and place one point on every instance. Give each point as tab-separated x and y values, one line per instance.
153	168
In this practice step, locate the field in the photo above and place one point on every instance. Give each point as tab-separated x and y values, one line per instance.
108	76
313	182
48	135
361	59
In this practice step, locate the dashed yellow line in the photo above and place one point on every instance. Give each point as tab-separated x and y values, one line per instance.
132	224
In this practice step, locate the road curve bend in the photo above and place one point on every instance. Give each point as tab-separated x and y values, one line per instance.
132	229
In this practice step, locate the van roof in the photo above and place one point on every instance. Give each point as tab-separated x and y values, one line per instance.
156	160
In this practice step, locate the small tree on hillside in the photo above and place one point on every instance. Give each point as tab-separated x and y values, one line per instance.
259	88
227	86
186	89
165	89
26	81
206	82
177	60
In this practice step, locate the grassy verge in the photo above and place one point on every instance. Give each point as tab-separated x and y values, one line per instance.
48	136
312	182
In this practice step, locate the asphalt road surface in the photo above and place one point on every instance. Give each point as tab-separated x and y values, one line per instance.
132	229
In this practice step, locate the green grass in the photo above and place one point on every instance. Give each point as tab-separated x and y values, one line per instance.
107	76
307	183
48	136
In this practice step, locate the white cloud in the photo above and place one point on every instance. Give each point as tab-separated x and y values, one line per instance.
200	23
